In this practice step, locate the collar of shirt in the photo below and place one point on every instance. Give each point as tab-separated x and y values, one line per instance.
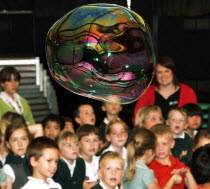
40	181
71	167
183	135
103	186
106	121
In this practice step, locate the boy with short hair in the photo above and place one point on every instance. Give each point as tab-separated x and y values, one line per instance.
110	162
165	165
84	114
71	168
177	120
43	155
52	125
88	136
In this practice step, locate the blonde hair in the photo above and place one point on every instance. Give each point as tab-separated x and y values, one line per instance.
182	111
64	135
110	124
3	126
143	112
141	140
162	130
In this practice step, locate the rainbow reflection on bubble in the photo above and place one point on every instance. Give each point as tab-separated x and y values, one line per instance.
101	51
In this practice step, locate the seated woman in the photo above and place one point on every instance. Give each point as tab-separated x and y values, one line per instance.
10	100
166	92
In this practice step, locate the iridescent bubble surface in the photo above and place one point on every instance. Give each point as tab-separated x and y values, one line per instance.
102	51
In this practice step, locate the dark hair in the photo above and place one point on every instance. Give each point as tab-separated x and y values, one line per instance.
14	117
37	145
202	133
76	110
54	118
85	130
7	72
193	109
200	167
67	119
168	62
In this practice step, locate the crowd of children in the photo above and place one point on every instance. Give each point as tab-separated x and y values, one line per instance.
75	153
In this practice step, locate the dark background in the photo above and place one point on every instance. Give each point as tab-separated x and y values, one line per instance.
180	28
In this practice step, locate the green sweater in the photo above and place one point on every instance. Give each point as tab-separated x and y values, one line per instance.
27	114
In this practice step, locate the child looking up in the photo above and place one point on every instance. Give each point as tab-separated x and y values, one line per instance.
71	168
111	171
43	155
165	165
148	116
178	122
141	152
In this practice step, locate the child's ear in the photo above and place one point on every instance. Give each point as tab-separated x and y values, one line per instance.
7	144
103	108
172	143
186	125
99	173
108	138
167	123
78	120
33	161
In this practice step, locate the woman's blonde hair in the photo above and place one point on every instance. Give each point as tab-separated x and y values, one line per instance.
143	112
141	140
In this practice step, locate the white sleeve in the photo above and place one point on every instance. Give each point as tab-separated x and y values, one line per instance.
9	171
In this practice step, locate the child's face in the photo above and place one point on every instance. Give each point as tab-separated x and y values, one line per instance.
70	149
202	142
89	145
153	118
52	129
177	122
69	126
86	115
111	172
111	108
18	142
46	166
118	135
194	122
164	146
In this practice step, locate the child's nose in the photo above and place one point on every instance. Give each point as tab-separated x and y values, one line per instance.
19	143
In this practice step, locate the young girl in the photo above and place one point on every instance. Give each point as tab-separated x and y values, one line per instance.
117	135
141	152
16	168
148	116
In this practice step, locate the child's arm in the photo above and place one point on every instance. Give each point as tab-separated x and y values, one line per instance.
190	181
153	185
36	130
9	182
175	179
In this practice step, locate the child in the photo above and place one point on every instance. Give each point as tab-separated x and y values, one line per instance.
2	174
84	114
68	124
148	116
201	138
112	111
17	138
165	165
43	155
117	135
177	120
88	136
141	151
52	125
71	168
111	171
195	118
201	166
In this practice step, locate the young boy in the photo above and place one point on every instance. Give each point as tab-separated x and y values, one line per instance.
69	125
84	114
165	165
43	155
52	125
88	136
111	171
177	120
112	112
71	168
195	118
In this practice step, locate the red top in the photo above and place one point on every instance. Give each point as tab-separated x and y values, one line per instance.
163	172
187	95
201	187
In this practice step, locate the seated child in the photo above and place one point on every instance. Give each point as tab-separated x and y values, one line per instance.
68	124
88	136
16	168
195	118
84	114
71	168
177	120
148	116
201	166
52	125
110	171
43	155
165	165
117	135
141	152
201	138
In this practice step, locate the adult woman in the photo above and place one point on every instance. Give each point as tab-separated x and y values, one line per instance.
9	99
167	91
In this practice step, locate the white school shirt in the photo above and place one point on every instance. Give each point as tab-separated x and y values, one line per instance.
103	186
34	183
71	167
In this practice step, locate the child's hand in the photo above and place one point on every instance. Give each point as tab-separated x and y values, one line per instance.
181	171
177	179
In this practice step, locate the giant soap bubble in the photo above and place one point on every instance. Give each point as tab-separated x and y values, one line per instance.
101	51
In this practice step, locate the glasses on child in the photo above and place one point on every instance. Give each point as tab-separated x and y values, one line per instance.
177	120
71	145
